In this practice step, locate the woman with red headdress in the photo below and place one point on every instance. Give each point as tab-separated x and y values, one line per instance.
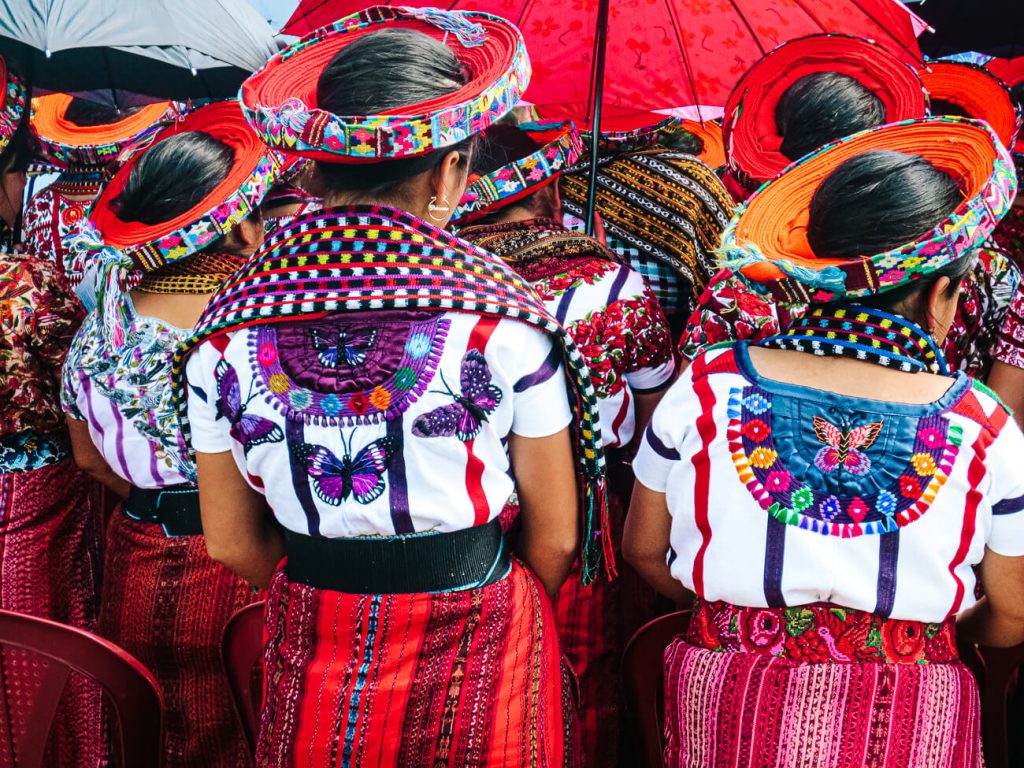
81	139
363	399
827	493
804	94
50	514
180	216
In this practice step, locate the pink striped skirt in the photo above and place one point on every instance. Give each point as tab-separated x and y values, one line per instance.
817	686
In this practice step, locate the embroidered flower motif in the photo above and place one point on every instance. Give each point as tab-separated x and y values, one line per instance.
756	404
418	345
903	641
405	378
360	403
910	487
886	503
380	398
778	481
857	509
278	383
762	458
300	398
932	438
331	405
830	508
762	628
802	498
756	430
924	464
267	354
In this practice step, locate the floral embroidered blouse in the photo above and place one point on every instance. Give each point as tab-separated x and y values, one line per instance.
126	398
729	310
767	512
49	217
39	316
378	423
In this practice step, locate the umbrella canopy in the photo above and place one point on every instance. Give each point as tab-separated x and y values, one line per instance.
661	54
168	48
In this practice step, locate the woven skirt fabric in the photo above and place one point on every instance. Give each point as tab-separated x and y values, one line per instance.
759	711
167	603
50	566
467	678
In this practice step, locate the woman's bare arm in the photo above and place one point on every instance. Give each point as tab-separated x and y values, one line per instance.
1008	382
998	618
645	544
240	533
545	474
91	461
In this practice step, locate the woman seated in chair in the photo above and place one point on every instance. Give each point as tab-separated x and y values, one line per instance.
827	493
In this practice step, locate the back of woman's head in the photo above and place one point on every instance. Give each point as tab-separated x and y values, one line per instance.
822	107
378	73
86	113
877	201
173	176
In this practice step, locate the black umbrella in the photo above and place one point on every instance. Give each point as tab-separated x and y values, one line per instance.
175	49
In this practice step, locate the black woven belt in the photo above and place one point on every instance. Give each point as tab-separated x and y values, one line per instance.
437	562
175	507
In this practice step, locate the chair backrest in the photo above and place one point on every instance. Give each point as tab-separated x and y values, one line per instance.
242	650
643	669
50	653
1000	666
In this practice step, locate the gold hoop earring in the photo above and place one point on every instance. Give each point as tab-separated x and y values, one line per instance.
438	212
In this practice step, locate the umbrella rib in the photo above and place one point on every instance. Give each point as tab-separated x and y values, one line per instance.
746	23
866	12
812	17
686	59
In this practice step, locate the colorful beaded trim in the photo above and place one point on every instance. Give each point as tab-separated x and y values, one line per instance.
293	126
792	500
819	633
965	229
62	155
15	96
863	333
519	178
388	400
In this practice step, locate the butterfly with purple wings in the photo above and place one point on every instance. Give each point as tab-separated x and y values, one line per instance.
350	347
362	477
465	417
248	429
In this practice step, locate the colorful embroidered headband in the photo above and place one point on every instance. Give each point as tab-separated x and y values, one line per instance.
64	144
752	139
976	91
13	108
766	242
559	147
279	100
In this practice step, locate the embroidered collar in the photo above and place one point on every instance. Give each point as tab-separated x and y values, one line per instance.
364	258
863	333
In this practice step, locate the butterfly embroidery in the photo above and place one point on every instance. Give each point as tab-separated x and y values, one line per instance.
362	477
248	429
350	347
843	448
464	418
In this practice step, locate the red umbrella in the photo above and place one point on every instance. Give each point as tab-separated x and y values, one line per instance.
661	54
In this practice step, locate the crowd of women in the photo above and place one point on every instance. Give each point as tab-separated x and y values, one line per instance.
342	345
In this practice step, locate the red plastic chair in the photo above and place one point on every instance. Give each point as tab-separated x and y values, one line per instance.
242	650
1001	666
643	664
52	652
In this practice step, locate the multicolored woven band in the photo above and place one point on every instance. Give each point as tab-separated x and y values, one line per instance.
280	101
149	246
1011	73
559	146
752	139
63	144
766	242
978	92
13	108
367	258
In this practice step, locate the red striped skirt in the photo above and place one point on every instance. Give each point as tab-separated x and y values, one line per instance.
817	685
167	603
468	678
50	566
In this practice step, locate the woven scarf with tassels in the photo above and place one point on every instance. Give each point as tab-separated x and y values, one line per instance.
365	258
